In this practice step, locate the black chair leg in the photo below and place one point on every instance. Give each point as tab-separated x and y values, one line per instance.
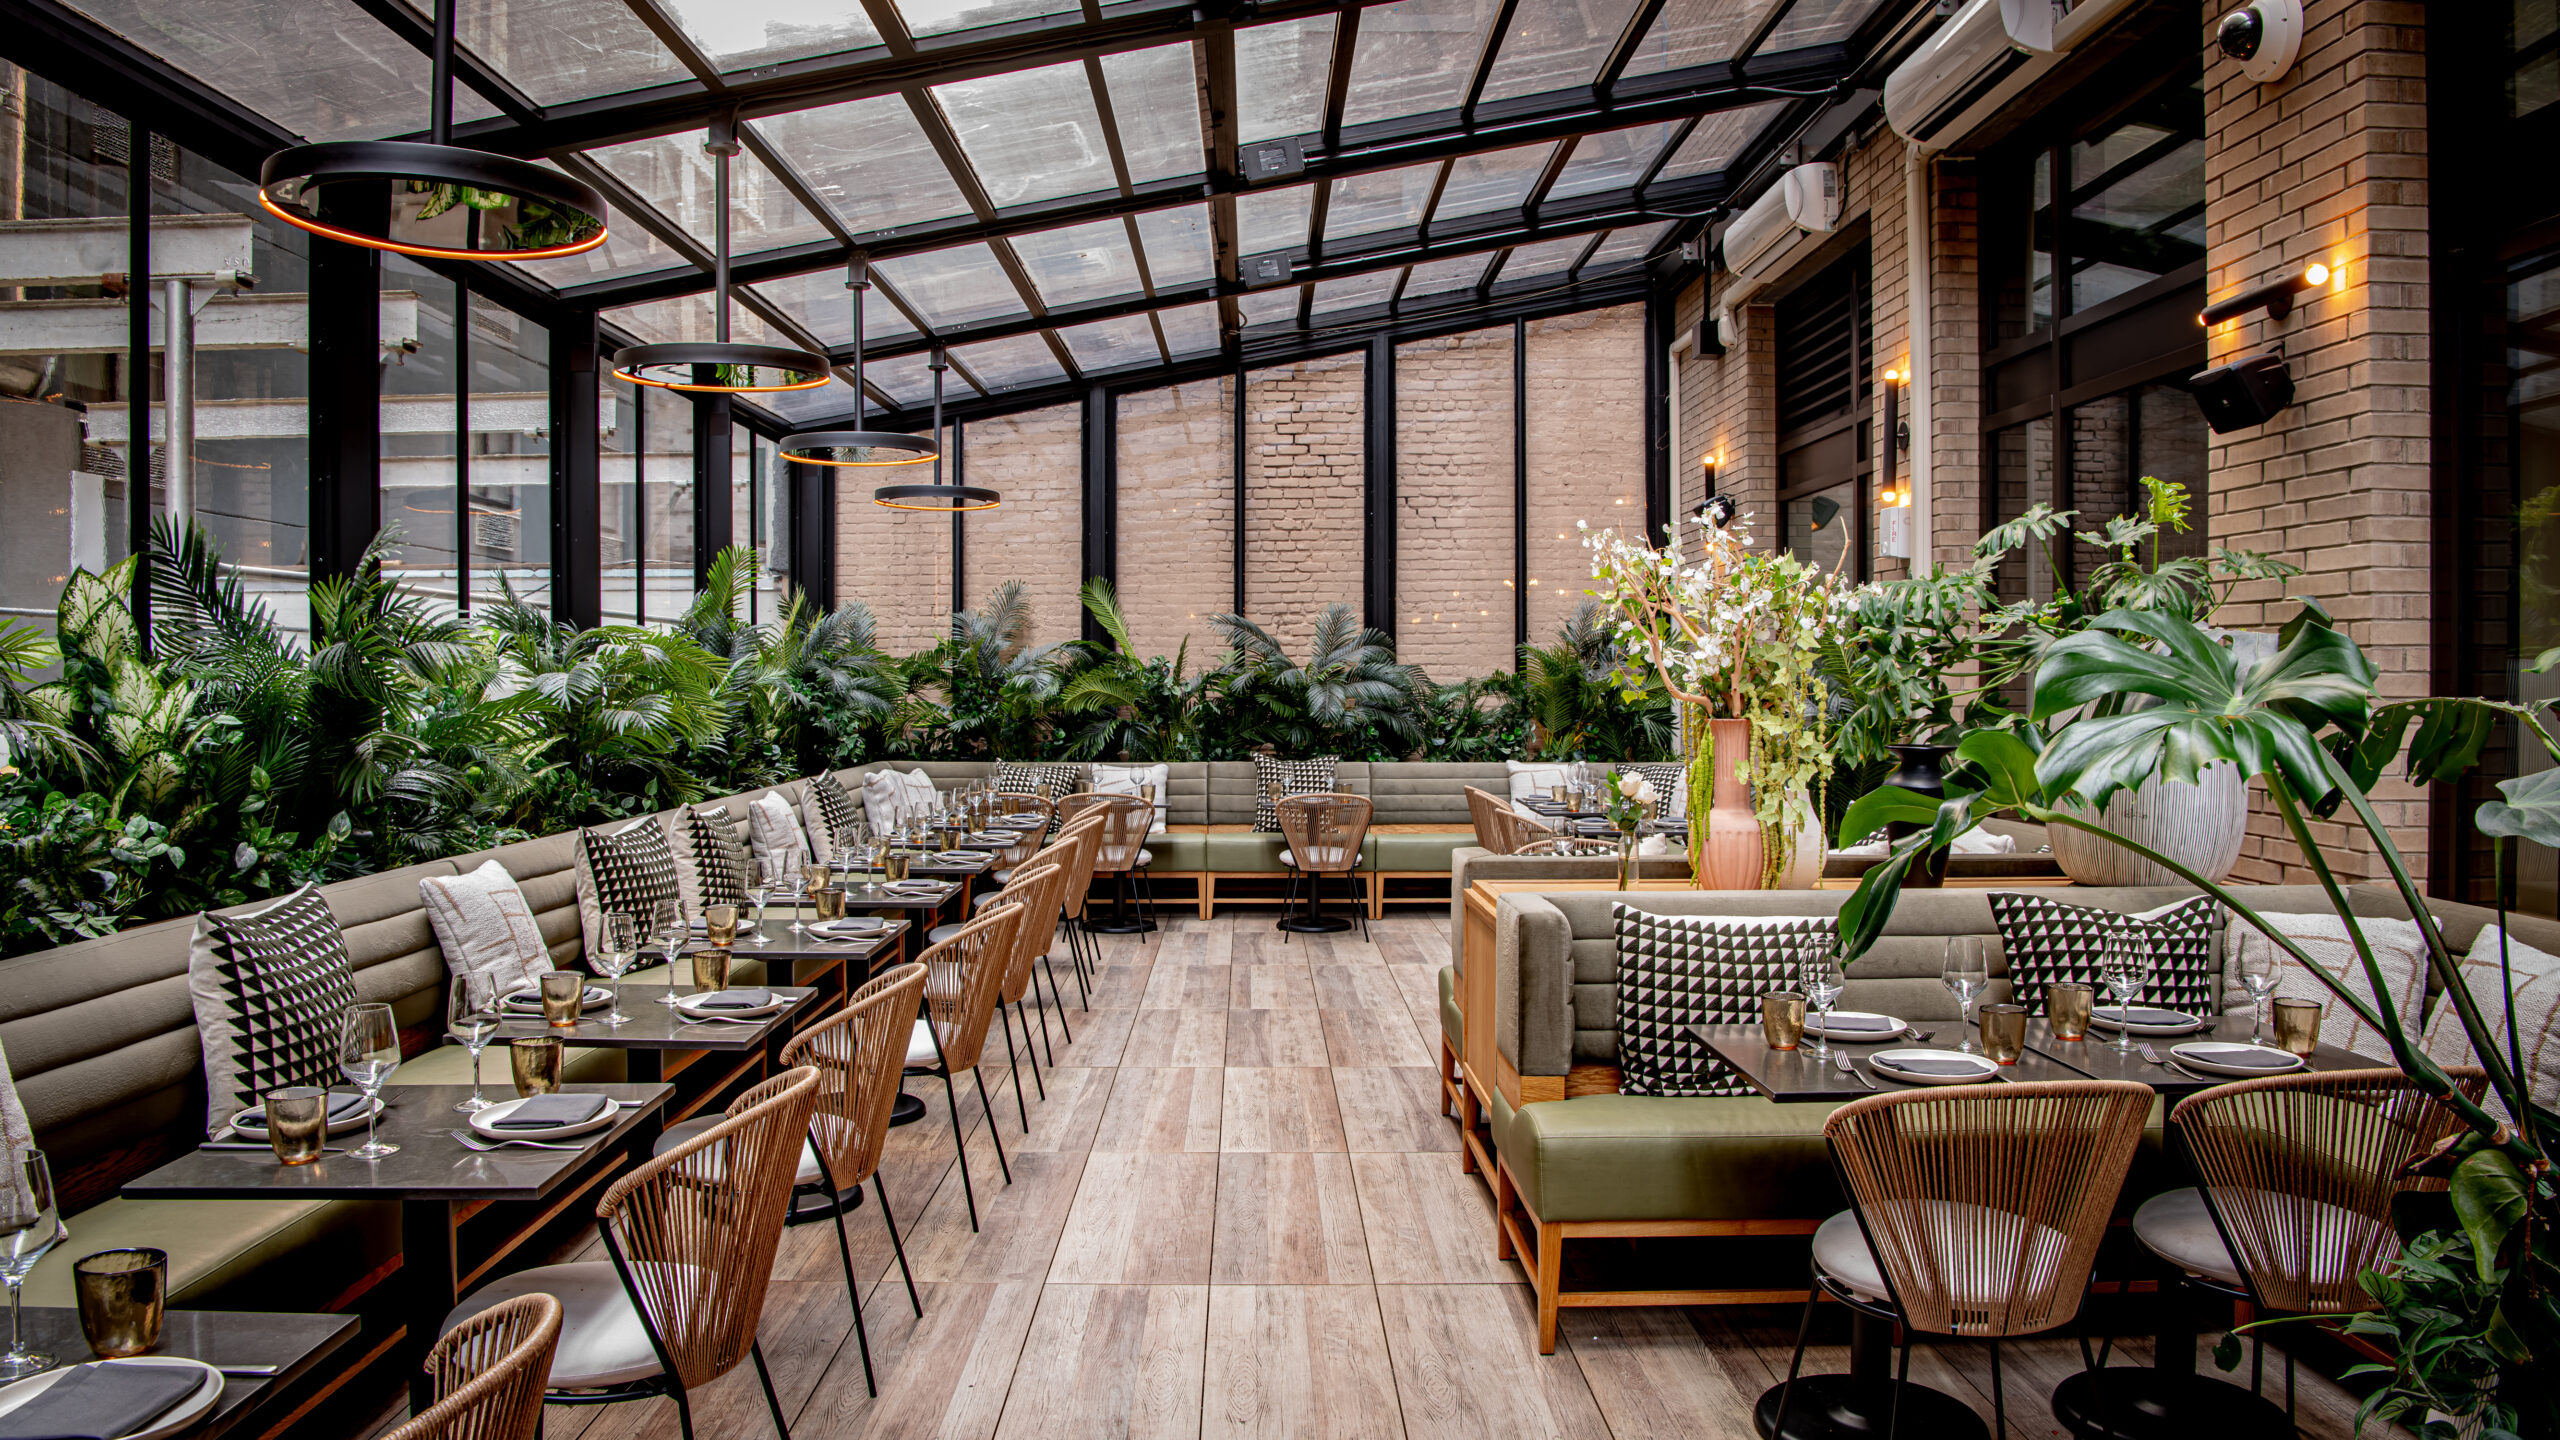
880	1188
1786	1392
1999	1406
992	1137
1037	1083
960	1141
684	1412
852	1293
1901	1382
1013	1063
772	1401
1057	1001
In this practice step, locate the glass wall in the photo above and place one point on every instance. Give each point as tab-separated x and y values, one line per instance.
618	502
510	469
1454	510
664	549
419	426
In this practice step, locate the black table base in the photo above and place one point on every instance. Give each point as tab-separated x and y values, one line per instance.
1313	920
907	1111
1123	918
1860	1404
2131	1403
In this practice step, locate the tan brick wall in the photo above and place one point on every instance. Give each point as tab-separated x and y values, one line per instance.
1955	360
1586	449
1037	535
1303	481
1454	504
1177	515
898	562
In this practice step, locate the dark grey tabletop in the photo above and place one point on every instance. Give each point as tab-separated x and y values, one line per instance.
785	944
2098	1058
225	1339
976	864
656	1026
1798	1076
860	899
431	1165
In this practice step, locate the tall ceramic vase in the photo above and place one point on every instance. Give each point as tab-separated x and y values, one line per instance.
1732	857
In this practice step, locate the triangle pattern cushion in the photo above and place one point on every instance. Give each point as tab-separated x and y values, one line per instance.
2048	941
711	863
1675	971
270	989
1294	777
829	811
630	871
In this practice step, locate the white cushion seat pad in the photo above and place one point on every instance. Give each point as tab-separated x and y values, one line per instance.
1948	1228
678	1134
602	1340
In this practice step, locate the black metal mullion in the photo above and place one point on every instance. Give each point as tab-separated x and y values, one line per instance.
462	440
1238	438
792	180
1100	85
678	43
959	448
1552	171
1337	79
639	505
1659	322
345	406
137	373
1101	487
1761	32
1519	485
1378	467
1670	146
892	26
577	453
1431	206
1485	58
419	32
713	526
1215	60
1623	53
631	205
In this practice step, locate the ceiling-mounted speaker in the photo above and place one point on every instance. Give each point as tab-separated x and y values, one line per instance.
2249	391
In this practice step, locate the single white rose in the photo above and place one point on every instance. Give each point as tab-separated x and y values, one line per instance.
1629	784
1645	793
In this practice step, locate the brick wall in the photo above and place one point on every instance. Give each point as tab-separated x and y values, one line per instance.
1035	459
1303	483
898	562
1177	515
1454	503
1586	449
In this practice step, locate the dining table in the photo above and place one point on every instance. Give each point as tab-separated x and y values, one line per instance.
655	1035
2097	1057
265	1357
1802	1077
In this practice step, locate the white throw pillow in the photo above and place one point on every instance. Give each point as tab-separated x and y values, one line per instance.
884	789
774	833
1125	780
484	927
2536	974
1529	777
2398	950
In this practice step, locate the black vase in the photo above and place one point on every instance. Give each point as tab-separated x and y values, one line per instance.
1922	772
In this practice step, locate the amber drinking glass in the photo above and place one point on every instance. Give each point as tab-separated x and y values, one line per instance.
122	1295
2004	1032
563	991
710	969
2067	1004
2297	1025
1782	1019
534	1064
828	902
720	924
297	1122
894	864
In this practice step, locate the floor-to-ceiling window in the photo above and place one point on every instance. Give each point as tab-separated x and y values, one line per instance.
1826	387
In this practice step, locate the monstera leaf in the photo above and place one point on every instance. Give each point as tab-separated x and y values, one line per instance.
2531	809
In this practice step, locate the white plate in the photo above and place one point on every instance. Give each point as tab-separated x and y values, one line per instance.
485	1121
2104	1018
1813	1026
915	887
687	1007
1027	819
957	857
855	927
595	998
2199	1055
1883	1063
352	1123
176	1418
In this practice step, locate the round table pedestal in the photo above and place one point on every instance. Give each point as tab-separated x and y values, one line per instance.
1313	920
1842	1407
2128	1403
907	1111
1122	918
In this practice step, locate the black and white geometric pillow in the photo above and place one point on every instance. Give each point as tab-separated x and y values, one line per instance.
1675	971
1670	781
1295	777
828	811
711	863
270	991
631	871
1051	782
2048	941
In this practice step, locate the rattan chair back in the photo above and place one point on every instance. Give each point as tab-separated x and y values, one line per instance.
1029	840
859	1053
1984	1205
1034	889
1569	845
2300	1169
489	1373
693	1230
964	975
1499	828
1325	831
1126	819
1085	834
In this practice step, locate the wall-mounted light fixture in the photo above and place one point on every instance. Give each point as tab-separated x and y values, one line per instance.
1715	510
2254	388
2275	297
1893	499
1707	474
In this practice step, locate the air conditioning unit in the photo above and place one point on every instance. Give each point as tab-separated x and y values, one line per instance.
1981	59
1806	200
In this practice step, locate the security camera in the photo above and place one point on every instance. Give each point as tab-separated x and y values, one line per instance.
2265	37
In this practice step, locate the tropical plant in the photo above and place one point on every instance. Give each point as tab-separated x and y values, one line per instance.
796	688
1348	697
995	686
1131	709
1585	702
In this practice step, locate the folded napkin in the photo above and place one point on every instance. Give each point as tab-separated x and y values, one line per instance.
1026	818
914	887
101	1402
2242	1057
1931	1065
1851	1024
731	1000
550	1112
957	857
343	1105
530	1001
850	925
2142	1016
990	837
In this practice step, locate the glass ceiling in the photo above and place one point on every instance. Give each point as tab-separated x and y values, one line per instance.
1059	183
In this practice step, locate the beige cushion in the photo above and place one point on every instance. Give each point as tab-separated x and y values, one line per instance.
1948	1229
485	927
1292	861
883	789
2179	1229
2536	974
676	1135
2399	951
920	1047
602	1340
1125	780
774	833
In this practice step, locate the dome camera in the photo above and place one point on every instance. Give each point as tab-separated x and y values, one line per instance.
2265	37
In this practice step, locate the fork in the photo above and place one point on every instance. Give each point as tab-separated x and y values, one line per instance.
471	1141
1914	1032
1847	1067
2171	1066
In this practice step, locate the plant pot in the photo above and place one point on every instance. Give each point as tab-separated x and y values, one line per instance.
1804	866
1922	771
2200	826
1733	856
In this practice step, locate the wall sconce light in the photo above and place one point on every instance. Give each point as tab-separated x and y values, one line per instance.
2276	297
1707	474
1717	511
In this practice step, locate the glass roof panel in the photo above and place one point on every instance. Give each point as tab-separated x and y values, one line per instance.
1623	246
1280	77
1358	290
1112	344
1414	57
688	317
557	50
1435	277
1499	180
1155	102
1189	329
1611	160
1816	22
936	17
907	380
1273	219
818	303
628	249
1696	32
1546	258
741	37
1381	200
832	401
1264	306
677	179
323	69
1077	263
1718	138
1178	245
1031	135
1556	47
869	160
1012	363
964	285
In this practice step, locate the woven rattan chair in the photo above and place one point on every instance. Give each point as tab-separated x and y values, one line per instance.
488	1374
1975	1211
691	1235
1324	835
1126	819
1011	857
1569	845
1499	828
1075	848
964	975
1035	891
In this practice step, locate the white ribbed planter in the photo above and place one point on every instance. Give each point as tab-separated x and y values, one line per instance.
1804	867
2200	826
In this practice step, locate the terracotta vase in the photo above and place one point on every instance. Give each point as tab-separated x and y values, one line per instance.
1733	856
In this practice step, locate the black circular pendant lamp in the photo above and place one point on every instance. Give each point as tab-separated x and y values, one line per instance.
719	367
946	499
859	447
524	212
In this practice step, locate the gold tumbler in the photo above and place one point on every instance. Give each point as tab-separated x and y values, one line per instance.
2066	1005
563	991
122	1294
534	1064
894	864
711	969
828	902
2004	1032
1782	1019
297	1122
720	924
2297	1025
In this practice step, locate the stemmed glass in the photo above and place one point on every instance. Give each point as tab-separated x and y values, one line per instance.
2126	967
1820	976
368	1051
2259	966
667	924
759	891
619	952
1966	973
782	875
29	1227
472	1017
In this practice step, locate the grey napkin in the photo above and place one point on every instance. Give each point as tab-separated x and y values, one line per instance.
2139	1015
342	1105
1846	1024
1929	1065
101	1402
732	1000
2247	1059
550	1112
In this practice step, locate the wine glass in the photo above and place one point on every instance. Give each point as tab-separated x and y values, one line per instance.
2259	966
759	891
471	1016
619	952
368	1051
2125	965
1966	973
29	1226
1820	976
783	876
667	925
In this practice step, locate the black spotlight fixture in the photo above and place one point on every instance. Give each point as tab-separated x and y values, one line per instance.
1718	511
437	189
859	447
948	499
720	367
2248	391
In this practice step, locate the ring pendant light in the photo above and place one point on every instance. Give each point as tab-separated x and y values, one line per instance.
720	367
947	499
526	212
860	447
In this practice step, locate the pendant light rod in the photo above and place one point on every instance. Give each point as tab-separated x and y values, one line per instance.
859	446
946	499
722	146
857	278
440	117
938	362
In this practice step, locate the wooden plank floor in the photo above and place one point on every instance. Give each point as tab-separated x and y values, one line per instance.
1238	1212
